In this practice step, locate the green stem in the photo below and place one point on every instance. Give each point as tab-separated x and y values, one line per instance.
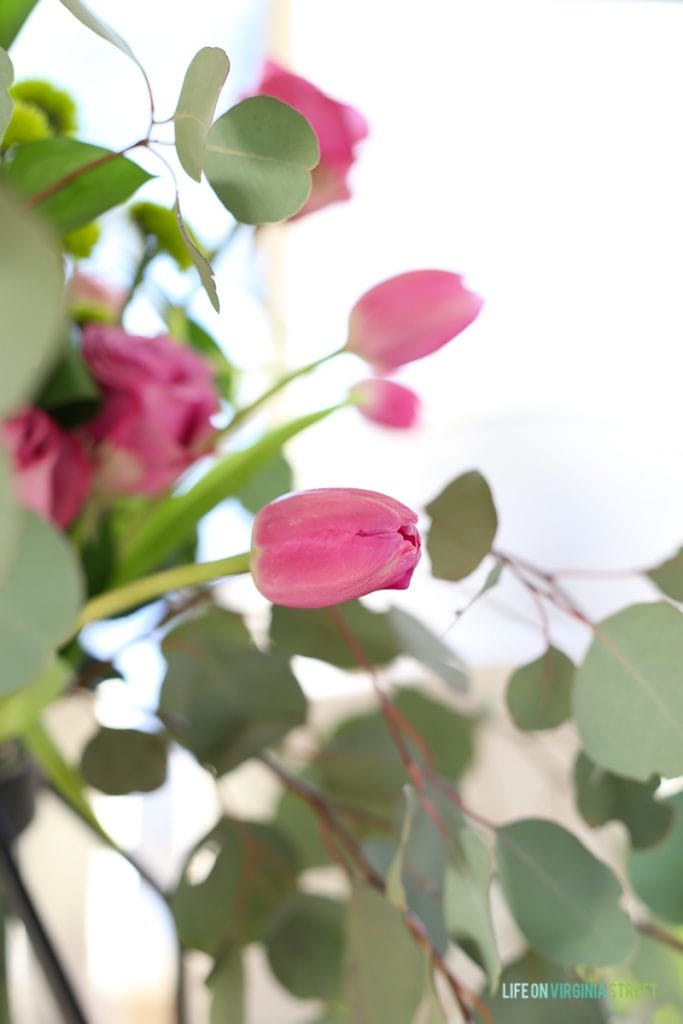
248	410
149	587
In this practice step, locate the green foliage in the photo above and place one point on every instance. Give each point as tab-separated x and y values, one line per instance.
29	266
13	14
202	85
81	242
19	709
253	870
6	101
629	693
57	104
160	224
565	901
656	874
70	394
118	761
8	514
316	633
27	124
602	796
384	967
467	905
305	946
669	576
269	483
226	984
420	643
533	969
539	695
198	259
94	180
40	595
259	156
464	524
223	698
99	27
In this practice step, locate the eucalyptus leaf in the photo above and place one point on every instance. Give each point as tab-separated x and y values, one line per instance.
99	27
415	639
274	480
467	903
384	966
40	596
226	984
565	901
305	946
202	265
6	101
628	698
656	874
531	969
79	182
201	88
13	14
19	709
9	514
259	158
300	824
29	266
464	525
119	761
223	698
315	633
602	796
539	695
253	869
669	576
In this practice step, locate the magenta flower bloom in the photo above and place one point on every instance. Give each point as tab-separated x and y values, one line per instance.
386	402
52	472
155	420
410	316
339	129
322	547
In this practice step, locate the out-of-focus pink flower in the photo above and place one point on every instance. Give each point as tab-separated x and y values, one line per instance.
158	399
52	472
90	298
322	547
410	316
386	402
339	129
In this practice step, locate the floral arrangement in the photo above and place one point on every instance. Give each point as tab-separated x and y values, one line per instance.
115	446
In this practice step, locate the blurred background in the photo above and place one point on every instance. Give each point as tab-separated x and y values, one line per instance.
534	147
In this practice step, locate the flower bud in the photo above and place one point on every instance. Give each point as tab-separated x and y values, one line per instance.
386	402
410	316
91	299
323	547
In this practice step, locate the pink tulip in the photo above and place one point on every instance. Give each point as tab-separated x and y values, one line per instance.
52	472
155	419
409	316
91	298
339	129
386	402
322	547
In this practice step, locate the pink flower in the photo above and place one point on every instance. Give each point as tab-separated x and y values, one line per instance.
52	472
386	402
322	547
339	129
91	298
409	316
156	416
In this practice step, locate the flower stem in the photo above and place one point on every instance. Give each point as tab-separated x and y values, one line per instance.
149	587
246	411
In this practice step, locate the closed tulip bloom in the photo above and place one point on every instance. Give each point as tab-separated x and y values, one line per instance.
387	403
409	316
322	547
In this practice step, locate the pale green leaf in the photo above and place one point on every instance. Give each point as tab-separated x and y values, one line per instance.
507	1007
316	633
416	876
203	82
464	524
29	266
18	710
6	101
201	264
40	596
602	796
565	901
259	156
384	966
628	697
467	906
226	984
420	643
656	874
305	945
539	695
669	576
99	27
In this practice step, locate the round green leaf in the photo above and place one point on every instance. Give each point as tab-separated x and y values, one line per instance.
656	874
628	695
565	901
315	633
669	576
539	695
118	761
467	905
203	82
532	969
40	596
305	945
259	156
464	524
30	329
6	101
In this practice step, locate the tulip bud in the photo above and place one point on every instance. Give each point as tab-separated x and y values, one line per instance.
410	316
323	547
386	402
